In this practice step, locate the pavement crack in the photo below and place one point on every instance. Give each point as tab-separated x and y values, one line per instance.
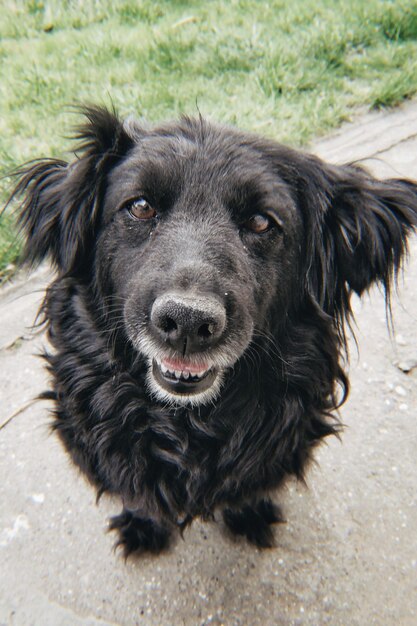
18	411
17	342
393	145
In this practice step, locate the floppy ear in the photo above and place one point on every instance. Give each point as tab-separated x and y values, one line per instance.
60	209
360	233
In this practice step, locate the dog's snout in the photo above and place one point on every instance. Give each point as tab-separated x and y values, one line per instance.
196	322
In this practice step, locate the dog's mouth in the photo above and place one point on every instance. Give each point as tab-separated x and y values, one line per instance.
181	378
186	380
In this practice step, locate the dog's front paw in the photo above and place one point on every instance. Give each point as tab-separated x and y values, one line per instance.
137	534
254	522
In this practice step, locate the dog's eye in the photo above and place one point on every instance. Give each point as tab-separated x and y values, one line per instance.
259	223
140	209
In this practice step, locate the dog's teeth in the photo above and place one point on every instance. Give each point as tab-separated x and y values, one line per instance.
181	374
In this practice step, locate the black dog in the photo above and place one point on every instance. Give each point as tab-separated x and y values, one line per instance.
197	316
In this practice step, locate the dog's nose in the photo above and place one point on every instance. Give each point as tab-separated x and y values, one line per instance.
188	322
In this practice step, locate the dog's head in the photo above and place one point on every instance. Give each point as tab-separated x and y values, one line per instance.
195	239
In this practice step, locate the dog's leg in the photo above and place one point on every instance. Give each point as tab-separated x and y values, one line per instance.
254	522
139	534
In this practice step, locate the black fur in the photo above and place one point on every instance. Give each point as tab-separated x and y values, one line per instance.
254	522
283	296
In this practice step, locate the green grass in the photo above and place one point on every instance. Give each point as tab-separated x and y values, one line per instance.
290	70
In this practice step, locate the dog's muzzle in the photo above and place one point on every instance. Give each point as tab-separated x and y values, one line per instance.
190	326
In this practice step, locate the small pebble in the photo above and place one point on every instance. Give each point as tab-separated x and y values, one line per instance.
400	340
38	498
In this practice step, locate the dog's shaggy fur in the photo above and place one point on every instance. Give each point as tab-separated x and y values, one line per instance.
197	316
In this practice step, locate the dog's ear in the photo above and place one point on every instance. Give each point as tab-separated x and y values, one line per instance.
357	233
60	209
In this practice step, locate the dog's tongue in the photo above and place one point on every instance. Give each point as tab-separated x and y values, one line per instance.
183	366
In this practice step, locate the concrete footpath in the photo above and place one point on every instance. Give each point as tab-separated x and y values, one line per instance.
348	552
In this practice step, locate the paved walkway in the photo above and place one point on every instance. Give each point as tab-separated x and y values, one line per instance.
346	556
